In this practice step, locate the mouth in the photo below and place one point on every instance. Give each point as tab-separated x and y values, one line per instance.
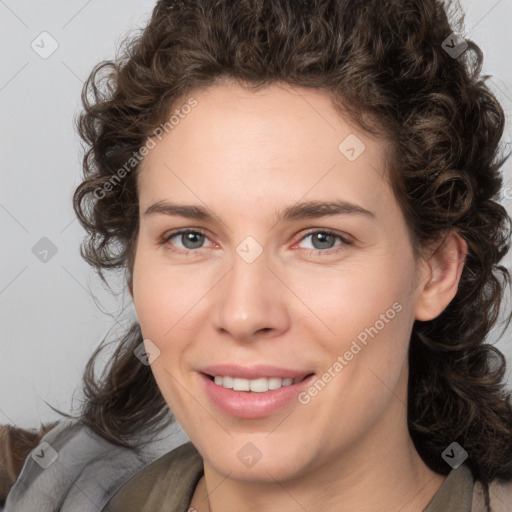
253	398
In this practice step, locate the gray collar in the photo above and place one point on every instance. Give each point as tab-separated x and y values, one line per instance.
455	494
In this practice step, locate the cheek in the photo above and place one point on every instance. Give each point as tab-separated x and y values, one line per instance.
368	312
348	301
154	298
161	311
168	299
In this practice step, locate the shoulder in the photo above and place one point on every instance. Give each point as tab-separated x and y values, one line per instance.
15	444
72	468
500	494
167	484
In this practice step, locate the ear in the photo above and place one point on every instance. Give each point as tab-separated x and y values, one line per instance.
440	277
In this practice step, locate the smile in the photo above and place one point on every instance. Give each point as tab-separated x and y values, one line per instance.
253	398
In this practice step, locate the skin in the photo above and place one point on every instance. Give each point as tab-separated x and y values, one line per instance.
245	156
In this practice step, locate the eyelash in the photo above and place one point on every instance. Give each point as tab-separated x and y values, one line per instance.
345	241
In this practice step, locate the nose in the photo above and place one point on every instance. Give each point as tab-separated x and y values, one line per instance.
251	301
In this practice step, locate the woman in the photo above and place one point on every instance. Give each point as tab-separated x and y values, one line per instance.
303	196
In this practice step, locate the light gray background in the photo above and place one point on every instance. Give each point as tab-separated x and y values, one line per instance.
50	323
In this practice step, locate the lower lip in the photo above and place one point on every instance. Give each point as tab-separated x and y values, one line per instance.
247	404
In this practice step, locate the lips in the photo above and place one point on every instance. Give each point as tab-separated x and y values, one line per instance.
258	402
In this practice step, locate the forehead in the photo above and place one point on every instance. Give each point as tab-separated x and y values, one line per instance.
250	144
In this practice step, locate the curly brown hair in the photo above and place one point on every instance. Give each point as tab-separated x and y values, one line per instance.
381	59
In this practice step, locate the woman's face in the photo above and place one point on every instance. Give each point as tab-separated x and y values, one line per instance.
273	284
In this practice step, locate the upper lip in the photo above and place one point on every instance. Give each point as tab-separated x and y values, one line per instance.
253	372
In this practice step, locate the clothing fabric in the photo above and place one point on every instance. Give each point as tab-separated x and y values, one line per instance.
168	484
88	469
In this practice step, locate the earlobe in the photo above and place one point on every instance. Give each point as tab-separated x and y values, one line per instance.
441	278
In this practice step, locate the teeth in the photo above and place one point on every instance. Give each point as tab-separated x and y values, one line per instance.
241	384
256	385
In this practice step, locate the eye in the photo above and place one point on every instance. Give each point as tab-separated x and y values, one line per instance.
189	238
323	241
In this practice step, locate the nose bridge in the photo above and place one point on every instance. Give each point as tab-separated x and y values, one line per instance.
249	299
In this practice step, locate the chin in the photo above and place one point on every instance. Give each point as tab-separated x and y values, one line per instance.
266	464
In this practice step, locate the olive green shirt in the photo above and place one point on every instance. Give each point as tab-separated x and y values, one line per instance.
168	484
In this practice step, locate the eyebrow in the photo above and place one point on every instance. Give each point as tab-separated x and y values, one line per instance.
303	210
